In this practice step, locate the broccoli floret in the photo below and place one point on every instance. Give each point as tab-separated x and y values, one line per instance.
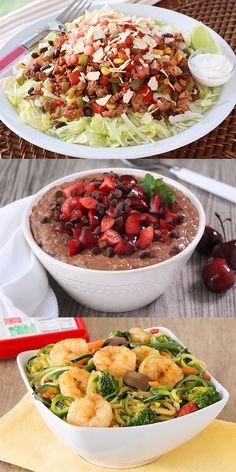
204	396
120	334
145	416
160	339
107	384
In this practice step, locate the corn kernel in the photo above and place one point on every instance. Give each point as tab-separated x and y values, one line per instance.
70	101
111	106
166	81
158	51
118	61
48	86
167	51
105	70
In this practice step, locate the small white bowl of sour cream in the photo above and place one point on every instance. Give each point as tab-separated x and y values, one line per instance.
210	68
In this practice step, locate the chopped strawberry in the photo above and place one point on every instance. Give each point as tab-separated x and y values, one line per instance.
74	77
111	237
60	227
146	237
107	223
89	187
76	213
170	218
132	225
124	248
94	219
138	192
128	179
108	184
105	201
165	225
87	238
69	204
77	228
74	247
111	212
174	207
78	188
148	99
188	408
139	204
151	218
89	203
155	203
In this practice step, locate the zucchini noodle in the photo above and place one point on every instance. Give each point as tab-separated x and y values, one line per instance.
157	389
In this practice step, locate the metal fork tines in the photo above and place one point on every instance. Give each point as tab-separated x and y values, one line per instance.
73	10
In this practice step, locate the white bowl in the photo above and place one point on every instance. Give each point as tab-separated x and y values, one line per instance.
204	79
121	290
212	118
126	447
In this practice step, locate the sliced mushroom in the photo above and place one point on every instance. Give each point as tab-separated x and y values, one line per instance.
116	341
136	380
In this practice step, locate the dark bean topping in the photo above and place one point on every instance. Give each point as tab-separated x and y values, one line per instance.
117	193
97	231
44	220
96	195
31	90
34	55
97	184
42	50
119	221
96	251
101	209
173	234
126	208
60	124
180	219
118	210
59	194
145	255
110	252
167	35
114	202
69	225
175	250
84	219
75	220
88	111
44	67
102	244
50	42
127	201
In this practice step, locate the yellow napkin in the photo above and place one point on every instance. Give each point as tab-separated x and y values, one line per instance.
26	441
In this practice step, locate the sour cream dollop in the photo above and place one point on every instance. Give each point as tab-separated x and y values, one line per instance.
211	69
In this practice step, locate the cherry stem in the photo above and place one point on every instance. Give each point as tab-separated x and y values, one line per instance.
222	224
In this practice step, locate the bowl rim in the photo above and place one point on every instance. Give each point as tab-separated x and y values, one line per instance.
223	392
37	249
10	116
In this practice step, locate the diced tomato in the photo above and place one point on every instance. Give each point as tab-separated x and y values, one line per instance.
129	41
129	66
104	80
61	41
188	408
98	108
143	90
124	88
137	57
149	98
154	331
59	103
74	77
122	55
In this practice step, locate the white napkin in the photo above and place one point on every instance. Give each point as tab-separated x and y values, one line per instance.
24	288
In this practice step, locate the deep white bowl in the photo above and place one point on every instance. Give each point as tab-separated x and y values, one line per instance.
114	291
212	118
126	447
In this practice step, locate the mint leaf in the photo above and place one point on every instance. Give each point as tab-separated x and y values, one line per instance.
153	186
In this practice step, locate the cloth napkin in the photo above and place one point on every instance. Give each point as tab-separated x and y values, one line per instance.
20	18
26	441
24	288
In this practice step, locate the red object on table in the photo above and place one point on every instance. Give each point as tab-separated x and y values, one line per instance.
14	343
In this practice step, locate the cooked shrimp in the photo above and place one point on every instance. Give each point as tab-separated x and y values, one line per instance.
144	351
117	359
161	369
73	382
93	411
65	351
138	335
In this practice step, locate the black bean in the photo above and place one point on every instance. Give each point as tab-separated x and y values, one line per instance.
167	35
56	53
34	55
88	111
42	50
60	124
50	42
31	90
44	67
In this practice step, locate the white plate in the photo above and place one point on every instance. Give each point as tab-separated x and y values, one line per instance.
213	117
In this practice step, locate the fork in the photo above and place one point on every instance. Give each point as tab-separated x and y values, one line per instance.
75	9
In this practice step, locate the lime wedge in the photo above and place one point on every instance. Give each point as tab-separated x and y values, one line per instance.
201	38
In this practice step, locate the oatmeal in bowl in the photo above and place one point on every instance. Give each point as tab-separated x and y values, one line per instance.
109	233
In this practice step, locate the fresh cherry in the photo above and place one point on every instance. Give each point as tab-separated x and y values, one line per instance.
217	276
227	251
209	240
